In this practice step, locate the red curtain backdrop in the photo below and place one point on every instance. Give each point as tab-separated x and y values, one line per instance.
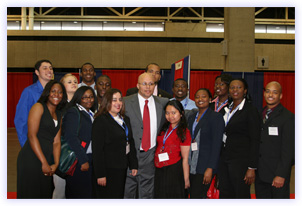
202	79
16	82
287	81
123	79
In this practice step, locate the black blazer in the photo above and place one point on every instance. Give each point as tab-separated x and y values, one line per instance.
69	131
243	136
277	152
109	145
211	127
161	92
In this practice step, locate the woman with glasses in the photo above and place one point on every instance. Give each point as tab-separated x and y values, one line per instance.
113	147
239	155
77	127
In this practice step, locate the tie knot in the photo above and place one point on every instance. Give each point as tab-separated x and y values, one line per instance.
146	102
268	111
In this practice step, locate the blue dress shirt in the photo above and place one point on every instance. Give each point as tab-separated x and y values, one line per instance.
29	97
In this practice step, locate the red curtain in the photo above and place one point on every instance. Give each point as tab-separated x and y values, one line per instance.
16	82
202	79
123	79
287	81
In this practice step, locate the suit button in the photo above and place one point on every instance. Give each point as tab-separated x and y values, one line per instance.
262	128
261	142
260	155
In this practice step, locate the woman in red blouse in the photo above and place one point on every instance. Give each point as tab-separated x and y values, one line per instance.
171	155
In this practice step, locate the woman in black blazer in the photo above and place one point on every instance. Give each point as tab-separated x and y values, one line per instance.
206	127
113	147
241	144
77	126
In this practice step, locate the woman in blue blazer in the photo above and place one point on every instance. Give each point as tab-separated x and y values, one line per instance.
240	151
206	127
77	127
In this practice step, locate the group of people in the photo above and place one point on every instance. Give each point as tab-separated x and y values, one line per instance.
150	144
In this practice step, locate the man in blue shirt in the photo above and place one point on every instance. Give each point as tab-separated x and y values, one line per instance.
29	96
180	91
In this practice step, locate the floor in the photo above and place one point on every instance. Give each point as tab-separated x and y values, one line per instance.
13	148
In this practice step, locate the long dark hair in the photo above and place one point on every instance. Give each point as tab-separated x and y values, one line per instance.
76	99
107	102
45	94
182	125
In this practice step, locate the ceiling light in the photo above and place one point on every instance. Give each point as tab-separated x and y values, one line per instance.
133	22
75	22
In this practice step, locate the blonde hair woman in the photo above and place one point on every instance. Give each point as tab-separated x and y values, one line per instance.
71	84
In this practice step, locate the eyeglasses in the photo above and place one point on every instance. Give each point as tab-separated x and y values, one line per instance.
86	98
147	84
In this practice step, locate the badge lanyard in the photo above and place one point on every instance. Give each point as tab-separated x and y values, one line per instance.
187	101
224	103
230	114
125	128
167	136
195	123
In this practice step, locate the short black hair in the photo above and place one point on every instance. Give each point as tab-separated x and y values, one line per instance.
104	75
45	94
226	78
146	69
204	89
38	63
87	63
182	80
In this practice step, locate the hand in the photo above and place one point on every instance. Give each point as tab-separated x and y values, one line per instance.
102	181
133	172
187	183
278	182
53	168
249	176
85	167
207	177
46	169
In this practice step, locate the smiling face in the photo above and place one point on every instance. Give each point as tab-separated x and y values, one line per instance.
220	88
88	74
146	85
45	73
180	89
172	115
55	95
202	99
87	99
71	84
116	104
237	90
272	94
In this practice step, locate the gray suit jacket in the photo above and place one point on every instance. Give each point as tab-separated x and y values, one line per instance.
134	113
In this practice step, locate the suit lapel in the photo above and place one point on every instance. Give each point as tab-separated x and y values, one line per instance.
201	122
236	115
159	111
135	105
274	114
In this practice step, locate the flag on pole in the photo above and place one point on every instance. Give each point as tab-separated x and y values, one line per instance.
181	69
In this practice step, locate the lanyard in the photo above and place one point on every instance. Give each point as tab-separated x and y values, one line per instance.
167	136
195	123
125	128
185	105
230	114
218	109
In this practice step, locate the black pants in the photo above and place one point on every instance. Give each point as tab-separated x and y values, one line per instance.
231	179
198	190
265	190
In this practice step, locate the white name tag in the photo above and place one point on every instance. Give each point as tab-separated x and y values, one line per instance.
273	131
163	157
194	146
127	148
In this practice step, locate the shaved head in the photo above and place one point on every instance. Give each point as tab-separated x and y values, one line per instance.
277	84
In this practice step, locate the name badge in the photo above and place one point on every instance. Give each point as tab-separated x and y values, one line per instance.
163	157
127	148
194	146
273	131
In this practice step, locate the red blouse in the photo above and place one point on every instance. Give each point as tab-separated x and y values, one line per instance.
172	147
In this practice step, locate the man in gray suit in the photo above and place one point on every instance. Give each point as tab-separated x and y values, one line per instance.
135	109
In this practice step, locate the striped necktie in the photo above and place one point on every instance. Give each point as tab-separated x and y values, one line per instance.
268	111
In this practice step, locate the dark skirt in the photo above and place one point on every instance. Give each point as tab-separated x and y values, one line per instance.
115	184
169	182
